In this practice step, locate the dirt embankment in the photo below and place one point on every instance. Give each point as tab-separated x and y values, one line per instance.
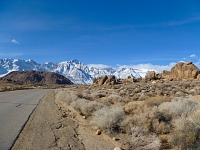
50	128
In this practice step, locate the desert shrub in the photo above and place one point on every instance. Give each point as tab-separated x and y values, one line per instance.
185	134
134	107
142	140
108	118
161	123
156	101
86	107
195	117
180	106
114	98
141	115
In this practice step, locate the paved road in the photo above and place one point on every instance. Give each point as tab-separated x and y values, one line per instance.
15	108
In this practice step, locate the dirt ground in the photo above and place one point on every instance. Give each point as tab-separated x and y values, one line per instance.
48	128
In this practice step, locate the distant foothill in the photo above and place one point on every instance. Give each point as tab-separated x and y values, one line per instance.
35	78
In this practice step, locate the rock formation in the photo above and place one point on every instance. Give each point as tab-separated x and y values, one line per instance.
181	71
106	80
152	75
184	71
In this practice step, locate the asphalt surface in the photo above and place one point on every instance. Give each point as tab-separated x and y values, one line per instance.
15	109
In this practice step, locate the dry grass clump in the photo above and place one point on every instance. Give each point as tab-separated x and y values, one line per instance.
185	135
112	99
134	107
137	114
156	101
161	123
83	106
86	107
108	118
142	140
180	106
185	114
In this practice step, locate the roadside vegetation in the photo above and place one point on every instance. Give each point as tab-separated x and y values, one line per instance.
140	116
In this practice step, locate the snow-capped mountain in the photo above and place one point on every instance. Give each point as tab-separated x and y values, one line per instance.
74	70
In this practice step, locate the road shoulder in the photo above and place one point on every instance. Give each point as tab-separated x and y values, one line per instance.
47	128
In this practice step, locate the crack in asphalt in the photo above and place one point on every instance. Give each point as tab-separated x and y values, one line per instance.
18	105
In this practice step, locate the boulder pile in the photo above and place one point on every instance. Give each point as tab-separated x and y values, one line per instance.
152	75
106	80
180	72
112	80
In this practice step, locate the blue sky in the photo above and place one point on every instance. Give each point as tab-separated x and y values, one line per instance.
112	32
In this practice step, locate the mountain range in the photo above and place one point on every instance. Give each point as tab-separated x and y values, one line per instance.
74	70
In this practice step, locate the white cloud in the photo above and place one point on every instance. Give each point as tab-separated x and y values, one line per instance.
193	56
142	67
14	41
100	66
158	68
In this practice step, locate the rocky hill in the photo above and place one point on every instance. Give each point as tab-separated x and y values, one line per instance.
35	78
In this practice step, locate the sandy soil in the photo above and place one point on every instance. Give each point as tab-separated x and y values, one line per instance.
48	128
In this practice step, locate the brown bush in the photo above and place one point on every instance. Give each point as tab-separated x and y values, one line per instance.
185	134
134	107
142	140
86	107
161	123
156	101
108	118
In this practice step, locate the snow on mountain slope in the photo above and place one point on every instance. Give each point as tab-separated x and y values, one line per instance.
95	72
125	72
74	70
8	65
